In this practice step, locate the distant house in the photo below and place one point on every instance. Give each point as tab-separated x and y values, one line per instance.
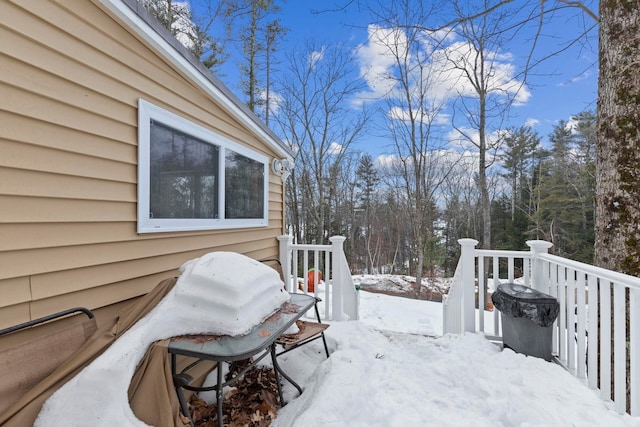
121	157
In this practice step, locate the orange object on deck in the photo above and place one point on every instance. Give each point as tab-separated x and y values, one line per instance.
311	280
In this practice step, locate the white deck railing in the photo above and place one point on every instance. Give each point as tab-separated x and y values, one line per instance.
338	293
597	334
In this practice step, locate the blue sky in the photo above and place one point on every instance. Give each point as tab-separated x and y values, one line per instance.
562	86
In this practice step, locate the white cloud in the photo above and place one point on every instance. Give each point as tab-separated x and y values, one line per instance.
582	76
500	79
275	100
531	122
316	56
377	60
434	117
441	75
335	148
385	161
468	139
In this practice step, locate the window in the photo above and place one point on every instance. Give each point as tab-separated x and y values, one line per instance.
190	178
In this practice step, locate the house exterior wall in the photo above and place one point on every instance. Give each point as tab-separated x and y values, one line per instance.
71	76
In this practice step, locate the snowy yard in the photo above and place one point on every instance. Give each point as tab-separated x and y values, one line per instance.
393	367
388	369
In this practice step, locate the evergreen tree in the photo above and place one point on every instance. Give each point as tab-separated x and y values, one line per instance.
366	247
559	214
368	179
519	144
585	132
258	40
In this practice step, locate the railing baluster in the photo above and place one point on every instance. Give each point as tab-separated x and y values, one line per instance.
619	348
316	272
634	348
328	259
510	269
605	340
592	337
562	324
481	293
581	325
552	274
305	268
496	281
294	269
571	319
338	288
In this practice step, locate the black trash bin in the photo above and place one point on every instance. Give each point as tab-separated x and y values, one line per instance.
527	319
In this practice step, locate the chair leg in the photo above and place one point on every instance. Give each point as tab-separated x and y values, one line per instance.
324	341
180	380
278	371
275	372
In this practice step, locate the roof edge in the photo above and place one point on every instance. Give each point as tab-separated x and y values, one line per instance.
136	17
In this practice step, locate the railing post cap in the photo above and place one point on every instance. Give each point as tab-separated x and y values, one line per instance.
337	239
539	245
284	237
467	242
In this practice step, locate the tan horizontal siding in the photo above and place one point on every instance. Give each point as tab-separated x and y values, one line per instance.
31	183
43	83
72	280
65	115
78	279
128	74
70	85
15	314
14	291
30	157
99	296
39	261
115	292
68	141
18	209
19	236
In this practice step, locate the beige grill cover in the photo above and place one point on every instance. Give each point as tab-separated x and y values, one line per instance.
151	393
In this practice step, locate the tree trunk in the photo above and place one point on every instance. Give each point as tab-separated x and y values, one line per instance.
617	244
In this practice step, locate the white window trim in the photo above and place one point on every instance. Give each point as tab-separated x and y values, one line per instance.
148	112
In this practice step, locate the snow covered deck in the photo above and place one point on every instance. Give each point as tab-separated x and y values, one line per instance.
394	368
596	336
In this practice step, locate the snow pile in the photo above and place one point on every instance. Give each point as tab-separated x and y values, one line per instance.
229	293
219	293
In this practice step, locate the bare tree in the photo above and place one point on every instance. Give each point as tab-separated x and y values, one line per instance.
486	91
315	117
413	108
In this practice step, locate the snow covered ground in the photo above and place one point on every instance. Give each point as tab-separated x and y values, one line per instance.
393	367
388	370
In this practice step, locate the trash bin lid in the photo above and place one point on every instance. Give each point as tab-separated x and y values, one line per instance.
525	293
521	301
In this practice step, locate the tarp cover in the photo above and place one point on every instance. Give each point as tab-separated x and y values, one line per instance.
522	301
152	396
